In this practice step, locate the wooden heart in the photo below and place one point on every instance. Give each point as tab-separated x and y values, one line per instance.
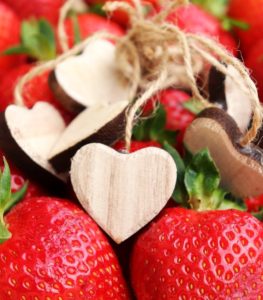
122	192
240	168
28	135
89	78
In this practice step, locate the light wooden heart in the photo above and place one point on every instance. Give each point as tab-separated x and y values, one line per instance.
122	192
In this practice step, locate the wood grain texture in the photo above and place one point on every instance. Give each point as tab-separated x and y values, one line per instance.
32	133
240	170
122	192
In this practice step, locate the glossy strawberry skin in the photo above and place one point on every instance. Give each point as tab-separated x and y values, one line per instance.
120	16
254	204
185	254
249	11
136	145
57	250
195	20
35	90
48	9
9	37
254	61
177	116
90	23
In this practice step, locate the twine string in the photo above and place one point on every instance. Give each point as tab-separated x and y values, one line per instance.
155	55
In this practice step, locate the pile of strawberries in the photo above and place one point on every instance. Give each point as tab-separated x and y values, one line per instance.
50	247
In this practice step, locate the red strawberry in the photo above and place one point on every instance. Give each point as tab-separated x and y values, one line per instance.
193	19
120	16
254	61
57	252
254	204
249	11
136	145
177	116
49	9
89	24
9	36
18	180
35	90
185	254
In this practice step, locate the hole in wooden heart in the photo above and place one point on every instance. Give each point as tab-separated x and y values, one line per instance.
122	192
240	167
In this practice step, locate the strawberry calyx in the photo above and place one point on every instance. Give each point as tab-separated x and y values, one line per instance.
97	9
7	199
219	8
202	182
198	183
194	106
37	40
153	128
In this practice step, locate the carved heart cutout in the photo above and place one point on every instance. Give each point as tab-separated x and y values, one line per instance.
122	192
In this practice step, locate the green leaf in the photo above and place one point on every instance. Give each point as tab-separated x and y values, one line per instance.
98	10
167	136
7	199
46	30
42	48
201	175
153	128
20	49
202	182
158	122
229	24
37	41
5	185
258	215
193	105
217	8
180	194
16	197
28	29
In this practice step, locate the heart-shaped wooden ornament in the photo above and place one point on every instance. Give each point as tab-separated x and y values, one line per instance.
122	192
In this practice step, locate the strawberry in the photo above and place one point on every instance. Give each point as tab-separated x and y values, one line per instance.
52	249
136	145
49	9
185	254
9	36
215	252
178	117
121	17
254	204
249	11
35	90
254	61
57	251
193	19
88	24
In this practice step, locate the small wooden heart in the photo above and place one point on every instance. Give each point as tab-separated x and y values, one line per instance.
122	192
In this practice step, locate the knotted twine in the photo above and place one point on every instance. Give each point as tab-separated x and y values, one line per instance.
154	55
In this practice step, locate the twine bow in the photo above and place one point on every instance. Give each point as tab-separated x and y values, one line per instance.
154	55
